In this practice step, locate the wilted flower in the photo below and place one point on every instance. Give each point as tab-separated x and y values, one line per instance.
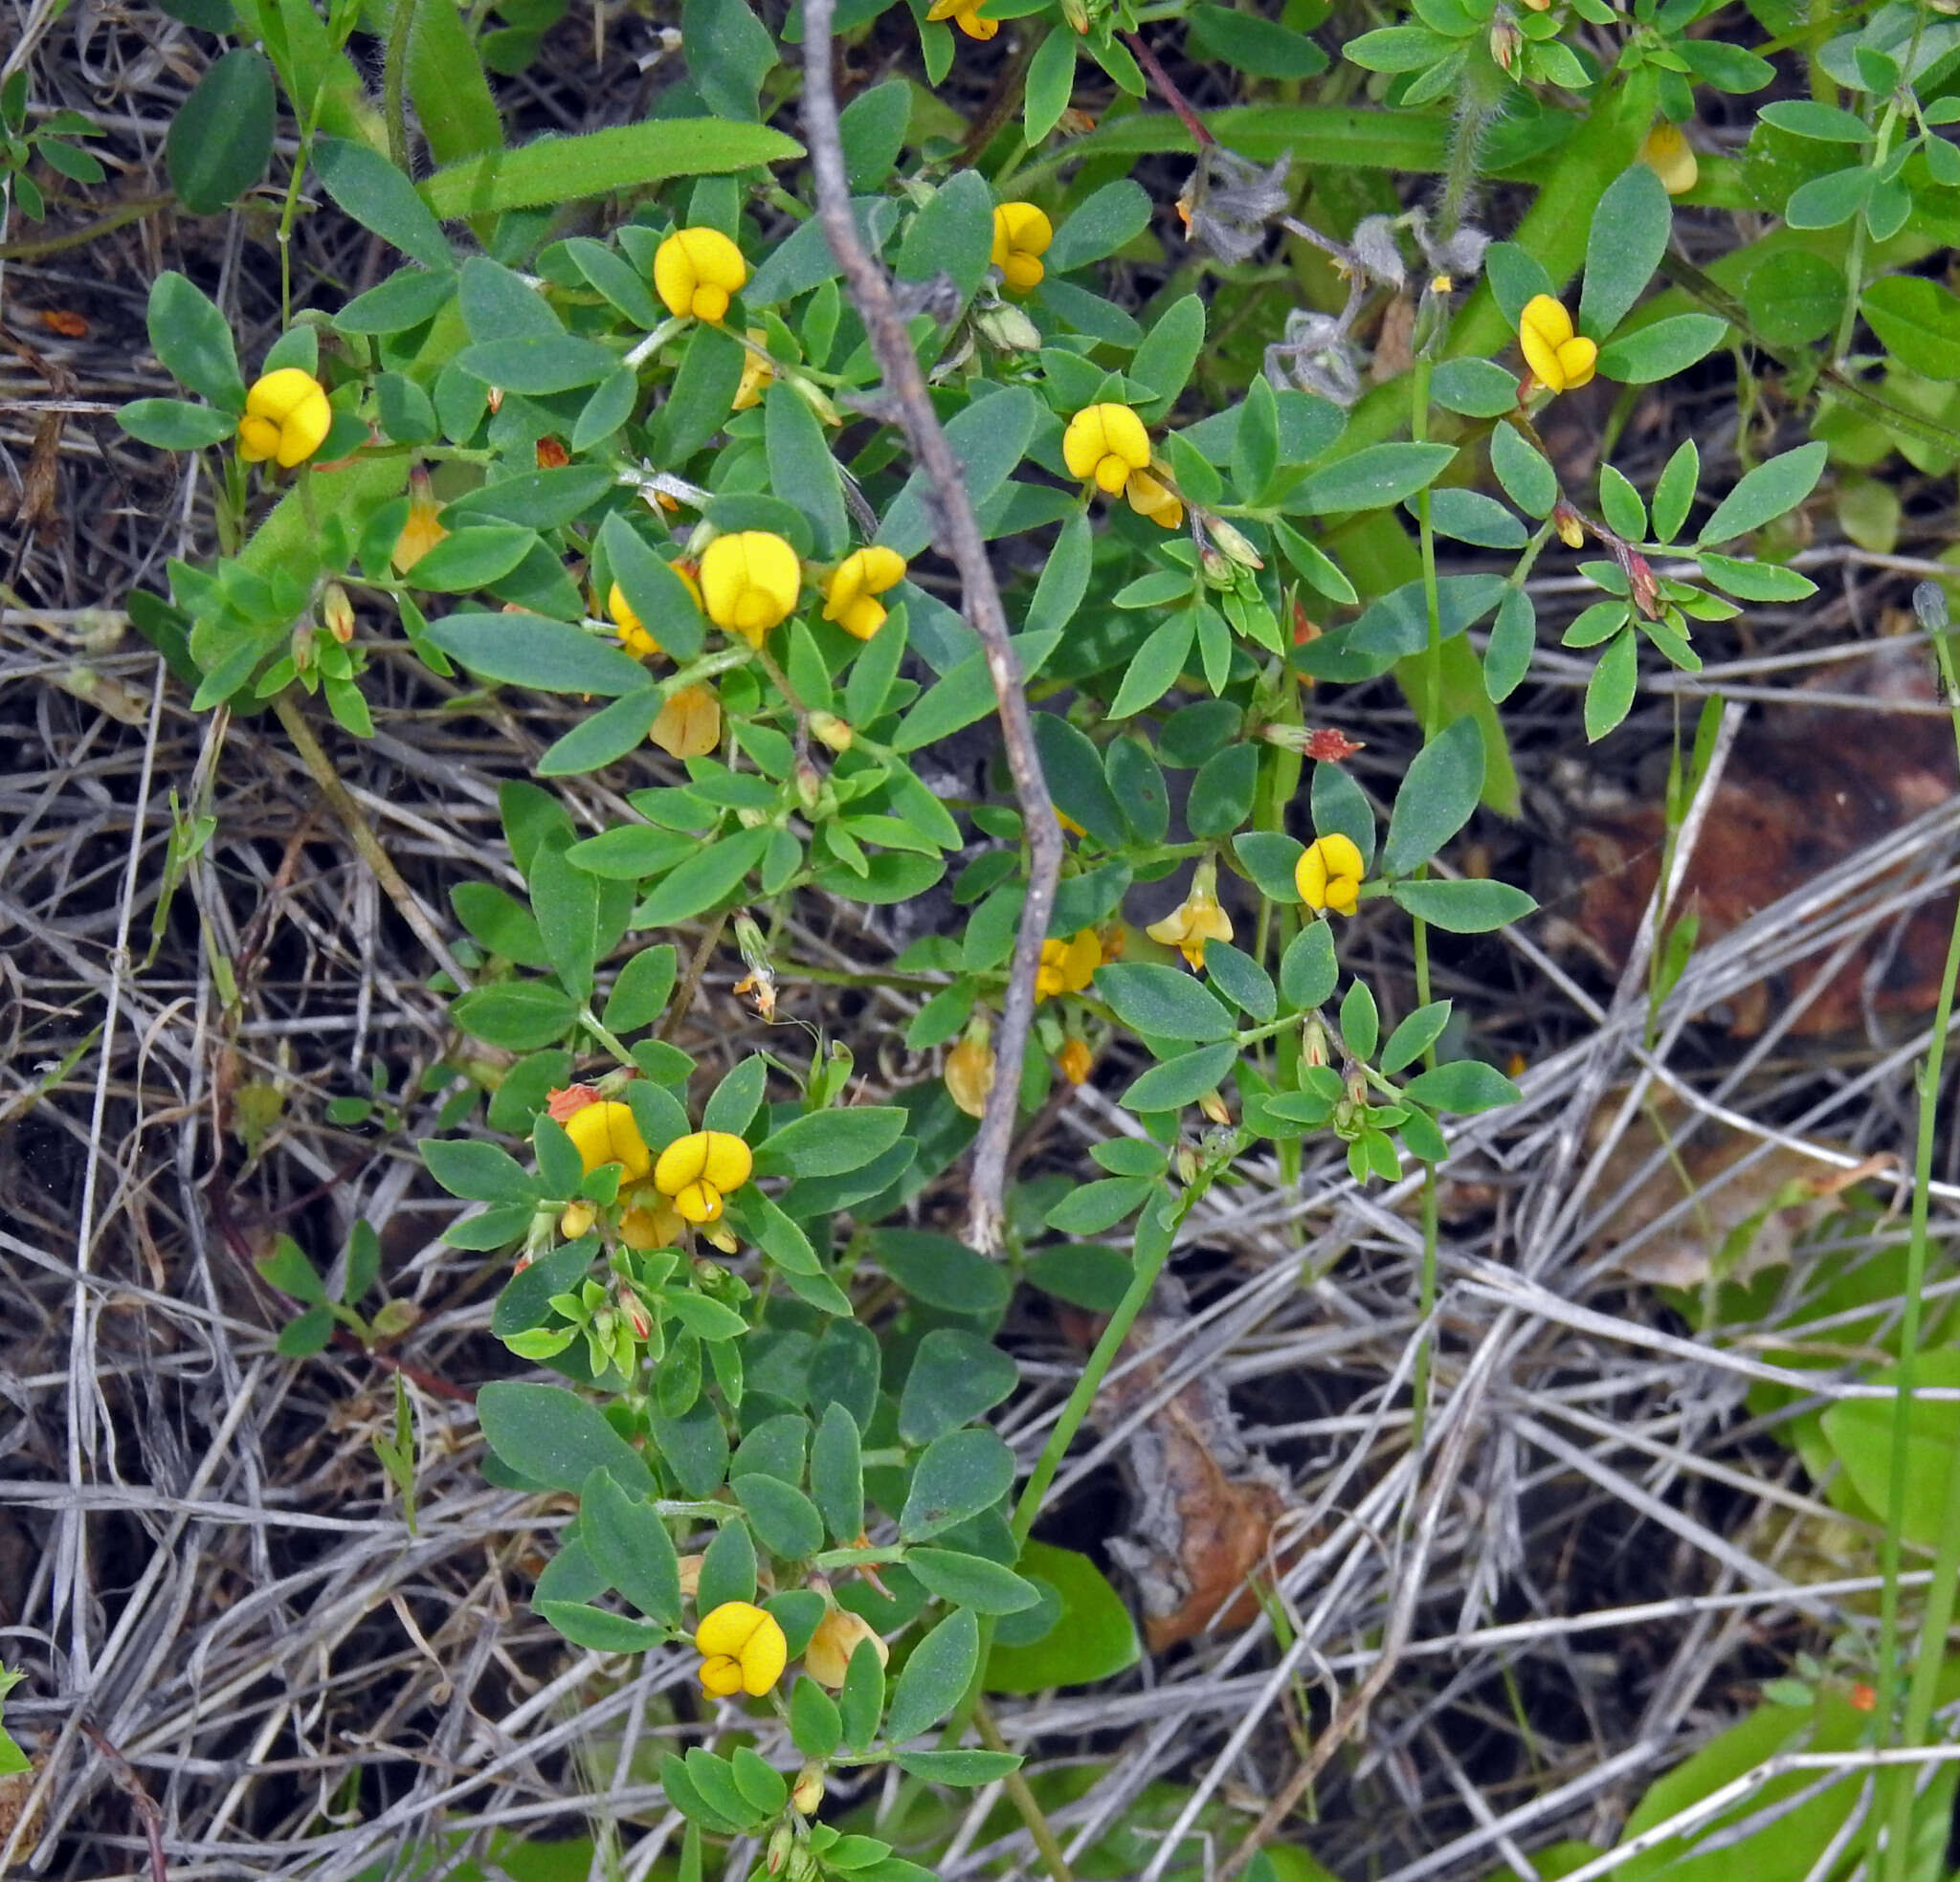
1067	966
1148	498
698	1170
743	1649
286	417
688	724
606	1133
965	15
850	597
758	370
749	582
1328	874
653	1222
696	271
421	532
1197	920
1076	1060
970	1068
1229	203
1669	155
827	1659
1560	360
1022	236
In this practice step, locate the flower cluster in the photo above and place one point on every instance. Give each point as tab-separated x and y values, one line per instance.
1107	444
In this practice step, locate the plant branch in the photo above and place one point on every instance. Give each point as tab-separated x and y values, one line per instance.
1168	87
891	343
362	834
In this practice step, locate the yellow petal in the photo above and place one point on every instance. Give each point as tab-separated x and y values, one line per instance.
1082	443
728	1629
1343	855
1310	877
606	1133
1577	359
258	438
277	395
721	1675
729	1163
681	1162
698	1203
689	726
827	1659
1547	316
304	428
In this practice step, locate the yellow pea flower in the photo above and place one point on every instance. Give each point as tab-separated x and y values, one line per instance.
850	597
633	635
1106	443
421	532
970	1068
758	372
965	15
696	271
1076	1061
698	1170
1197	920
743	1649
1670	156
1328	874
1148	498
605	1133
1022	236
286	417
1560	360
650	1222
749	582
1067	966
827	1659
689	726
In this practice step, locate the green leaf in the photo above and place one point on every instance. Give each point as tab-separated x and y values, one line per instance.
1755	581
1262	47
837	1474
959	1475
1861	1433
1662	349
1050	85
802	468
1438	793
220	141
1155	666
287	1269
1767	492
1222	791
1307	970
473	559
567	903
1609	692
1463	908
1631	225
1528	480
968	1768
1414	1036
1371	478
988	438
1104	221
1163	359
479	1172
539	499
729	53
1090	1635
631	1545
380	198
521	1015
1242	980
1340	805
193	342
1464	1085
1162	1001
1827	201
816	1728
952	236
830	1142
403	300
1477	388
784	1520
563	169
935	1675
656	593
457	113
955	1377
526	1301
969	1581
704	880
1919	322
727	1568
1182	1080
1794	298
528	649
1360	1020
555	1437
175	424
1091	1207
872	131
1829	122
967	693
862	1703
599	1629
1077	780
943	1273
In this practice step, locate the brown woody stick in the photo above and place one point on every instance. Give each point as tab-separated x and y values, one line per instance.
905	387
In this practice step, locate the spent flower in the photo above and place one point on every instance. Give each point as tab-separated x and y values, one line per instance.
688	724
970	1068
1671	157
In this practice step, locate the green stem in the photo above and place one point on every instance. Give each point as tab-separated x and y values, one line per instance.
394	79
1024	1801
1897	1786
1854	261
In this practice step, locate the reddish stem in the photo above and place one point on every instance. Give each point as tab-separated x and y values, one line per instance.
1166	84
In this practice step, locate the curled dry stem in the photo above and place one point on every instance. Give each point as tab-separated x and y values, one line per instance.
871	294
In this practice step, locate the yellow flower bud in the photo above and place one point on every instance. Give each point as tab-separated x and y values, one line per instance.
758	372
1560	360
689	724
1328	874
605	1133
286	417
1106	443
849	596
632	636
827	1659
1022	236
1148	498
970	1069
696	271
337	612
1669	155
749	582
577	1220
743	1649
